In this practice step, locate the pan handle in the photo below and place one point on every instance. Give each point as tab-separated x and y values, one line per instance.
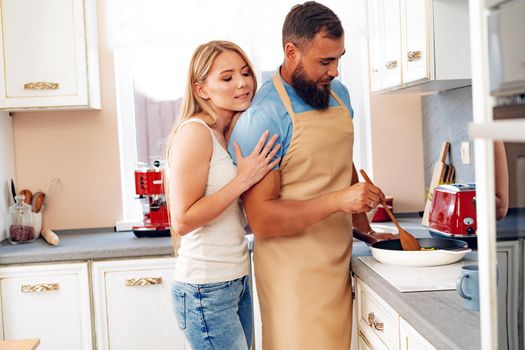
364	237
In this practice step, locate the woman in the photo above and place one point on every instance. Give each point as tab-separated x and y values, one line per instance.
211	290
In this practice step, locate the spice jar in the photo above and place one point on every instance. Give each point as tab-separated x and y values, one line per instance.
21	228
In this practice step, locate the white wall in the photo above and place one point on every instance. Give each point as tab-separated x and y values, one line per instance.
7	169
397	149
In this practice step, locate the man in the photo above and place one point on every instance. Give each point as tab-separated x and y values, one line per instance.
300	211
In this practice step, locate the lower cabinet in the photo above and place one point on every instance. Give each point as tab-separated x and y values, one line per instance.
508	257
410	339
133	305
50	302
380	327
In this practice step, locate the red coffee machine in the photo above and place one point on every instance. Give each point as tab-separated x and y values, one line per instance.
453	213
149	187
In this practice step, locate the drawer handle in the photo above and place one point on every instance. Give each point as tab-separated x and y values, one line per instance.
379	326
144	281
42	287
391	64
413	55
41	85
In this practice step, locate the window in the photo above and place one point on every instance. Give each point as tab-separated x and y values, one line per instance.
153	42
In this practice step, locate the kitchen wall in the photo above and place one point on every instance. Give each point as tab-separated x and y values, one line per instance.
397	149
445	118
79	147
7	170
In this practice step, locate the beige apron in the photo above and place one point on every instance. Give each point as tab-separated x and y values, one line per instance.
303	281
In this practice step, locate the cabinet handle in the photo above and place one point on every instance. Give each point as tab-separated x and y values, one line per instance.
379	326
413	55
144	281
391	64
42	287
41	85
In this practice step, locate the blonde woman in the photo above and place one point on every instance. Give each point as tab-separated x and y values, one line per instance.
211	292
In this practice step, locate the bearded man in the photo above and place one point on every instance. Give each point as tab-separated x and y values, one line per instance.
302	211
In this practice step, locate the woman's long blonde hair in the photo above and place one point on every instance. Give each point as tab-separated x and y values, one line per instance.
200	65
195	106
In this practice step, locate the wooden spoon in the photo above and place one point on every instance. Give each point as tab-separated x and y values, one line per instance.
408	242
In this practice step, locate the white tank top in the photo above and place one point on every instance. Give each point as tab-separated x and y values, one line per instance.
215	252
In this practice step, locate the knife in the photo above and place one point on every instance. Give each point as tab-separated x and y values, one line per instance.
13	190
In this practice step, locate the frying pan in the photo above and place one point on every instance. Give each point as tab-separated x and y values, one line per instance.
445	251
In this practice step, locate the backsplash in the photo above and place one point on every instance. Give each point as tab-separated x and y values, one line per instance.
445	118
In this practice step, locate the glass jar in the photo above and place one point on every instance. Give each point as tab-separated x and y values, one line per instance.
21	228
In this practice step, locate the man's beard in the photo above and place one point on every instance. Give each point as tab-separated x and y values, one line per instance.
307	89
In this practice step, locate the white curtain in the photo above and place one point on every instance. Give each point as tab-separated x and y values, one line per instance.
161	35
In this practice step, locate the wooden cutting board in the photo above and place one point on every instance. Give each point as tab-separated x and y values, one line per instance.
23	344
438	176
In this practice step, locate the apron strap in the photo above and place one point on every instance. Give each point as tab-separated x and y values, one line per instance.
334	95
279	86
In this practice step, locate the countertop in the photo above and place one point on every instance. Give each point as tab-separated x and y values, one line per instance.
438	316
512	226
89	244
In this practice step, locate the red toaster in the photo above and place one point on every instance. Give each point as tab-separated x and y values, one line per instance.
453	211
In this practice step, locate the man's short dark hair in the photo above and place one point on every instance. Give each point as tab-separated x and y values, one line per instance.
304	21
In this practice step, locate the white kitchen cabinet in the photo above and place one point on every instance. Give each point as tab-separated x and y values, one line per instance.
50	302
380	327
417	41
49	55
133	305
410	339
378	322
508	256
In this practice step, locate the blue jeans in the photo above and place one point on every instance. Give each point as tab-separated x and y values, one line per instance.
215	315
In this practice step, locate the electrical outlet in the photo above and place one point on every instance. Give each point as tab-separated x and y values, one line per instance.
465	152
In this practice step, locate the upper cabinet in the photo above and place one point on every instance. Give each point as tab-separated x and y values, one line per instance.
418	41
49	55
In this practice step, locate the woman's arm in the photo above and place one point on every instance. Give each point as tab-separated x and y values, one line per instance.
189	208
502	180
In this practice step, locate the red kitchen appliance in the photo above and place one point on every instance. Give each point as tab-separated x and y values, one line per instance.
150	189
453	213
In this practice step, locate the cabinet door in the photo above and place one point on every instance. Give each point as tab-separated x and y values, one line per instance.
392	44
49	302
375	44
133	305
410	339
45	54
507	253
363	343
415	34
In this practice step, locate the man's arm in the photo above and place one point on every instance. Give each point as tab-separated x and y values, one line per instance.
270	216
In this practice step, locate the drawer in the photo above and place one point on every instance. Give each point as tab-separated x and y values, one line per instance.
377	320
411	339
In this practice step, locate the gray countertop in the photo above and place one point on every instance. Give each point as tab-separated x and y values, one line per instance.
512	226
85	245
438	316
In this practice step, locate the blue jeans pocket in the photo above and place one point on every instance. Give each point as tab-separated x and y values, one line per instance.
179	303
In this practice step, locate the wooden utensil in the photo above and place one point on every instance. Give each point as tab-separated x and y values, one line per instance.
408	242
438	176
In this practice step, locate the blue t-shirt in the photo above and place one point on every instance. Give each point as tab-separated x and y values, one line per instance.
267	112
